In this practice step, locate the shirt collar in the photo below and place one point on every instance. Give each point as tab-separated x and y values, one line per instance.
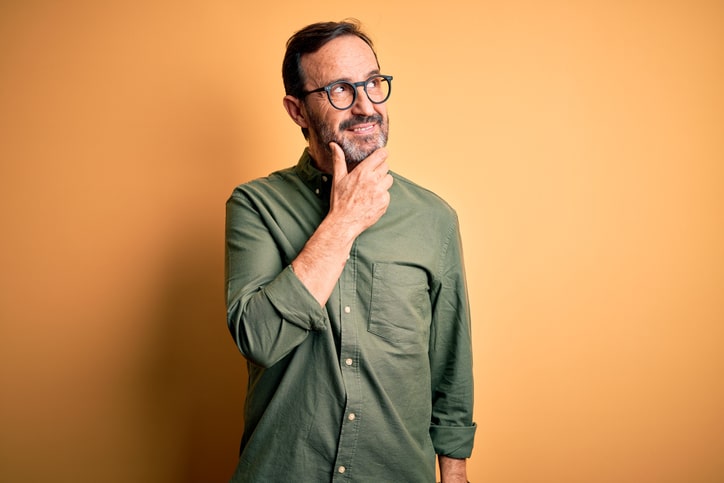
320	183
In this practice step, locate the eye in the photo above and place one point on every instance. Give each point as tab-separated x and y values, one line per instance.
341	88
373	83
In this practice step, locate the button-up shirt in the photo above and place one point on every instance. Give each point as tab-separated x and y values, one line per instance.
375	383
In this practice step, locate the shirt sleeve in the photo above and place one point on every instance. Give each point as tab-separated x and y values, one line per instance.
452	428
269	310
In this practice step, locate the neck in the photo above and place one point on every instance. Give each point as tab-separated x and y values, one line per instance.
322	157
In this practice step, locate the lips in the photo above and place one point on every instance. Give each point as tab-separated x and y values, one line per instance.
361	124
363	128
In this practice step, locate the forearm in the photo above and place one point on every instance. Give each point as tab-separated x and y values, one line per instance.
452	470
321	262
358	199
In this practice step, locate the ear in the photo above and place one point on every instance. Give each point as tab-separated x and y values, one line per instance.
296	111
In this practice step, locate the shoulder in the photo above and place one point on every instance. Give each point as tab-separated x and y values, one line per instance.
411	192
274	182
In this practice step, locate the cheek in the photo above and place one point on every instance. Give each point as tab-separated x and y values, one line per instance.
381	109
335	117
331	118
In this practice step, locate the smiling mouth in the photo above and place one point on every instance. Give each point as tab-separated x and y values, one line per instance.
362	124
363	128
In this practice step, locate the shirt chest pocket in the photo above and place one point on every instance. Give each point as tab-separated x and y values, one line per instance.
400	309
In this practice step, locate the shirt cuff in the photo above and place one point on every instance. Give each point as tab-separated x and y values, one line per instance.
294	303
453	441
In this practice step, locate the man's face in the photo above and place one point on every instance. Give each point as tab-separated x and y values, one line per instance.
359	130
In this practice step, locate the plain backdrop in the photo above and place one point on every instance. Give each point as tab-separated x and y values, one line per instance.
581	142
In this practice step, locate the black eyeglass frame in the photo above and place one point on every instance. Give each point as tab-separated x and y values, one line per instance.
354	85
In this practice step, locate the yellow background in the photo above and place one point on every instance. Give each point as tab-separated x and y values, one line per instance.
582	144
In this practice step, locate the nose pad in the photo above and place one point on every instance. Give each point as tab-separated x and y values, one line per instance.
362	104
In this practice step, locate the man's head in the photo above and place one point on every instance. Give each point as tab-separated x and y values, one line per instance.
353	116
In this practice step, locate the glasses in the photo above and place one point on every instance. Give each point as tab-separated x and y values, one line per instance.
342	94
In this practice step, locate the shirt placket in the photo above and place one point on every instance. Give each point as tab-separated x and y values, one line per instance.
350	367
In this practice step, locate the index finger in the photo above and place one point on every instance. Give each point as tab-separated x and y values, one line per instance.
339	164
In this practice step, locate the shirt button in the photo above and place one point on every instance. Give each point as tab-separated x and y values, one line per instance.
324	178
351	416
347	309
316	191
348	361
341	469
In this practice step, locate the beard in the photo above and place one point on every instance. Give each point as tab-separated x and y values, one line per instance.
355	151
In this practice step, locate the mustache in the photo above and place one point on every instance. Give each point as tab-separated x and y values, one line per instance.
353	121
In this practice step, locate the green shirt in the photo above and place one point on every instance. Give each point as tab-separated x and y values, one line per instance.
371	386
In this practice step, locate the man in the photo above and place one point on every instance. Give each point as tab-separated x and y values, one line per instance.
346	292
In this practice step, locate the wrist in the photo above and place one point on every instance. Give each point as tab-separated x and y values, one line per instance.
338	231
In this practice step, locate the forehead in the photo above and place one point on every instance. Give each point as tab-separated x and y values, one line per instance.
347	57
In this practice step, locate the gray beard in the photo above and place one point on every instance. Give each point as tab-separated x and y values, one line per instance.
354	152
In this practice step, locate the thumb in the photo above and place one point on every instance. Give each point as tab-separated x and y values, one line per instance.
339	164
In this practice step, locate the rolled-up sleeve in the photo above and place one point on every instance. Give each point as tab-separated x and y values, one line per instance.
269	310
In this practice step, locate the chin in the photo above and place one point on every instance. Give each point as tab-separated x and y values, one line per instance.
356	151
357	154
